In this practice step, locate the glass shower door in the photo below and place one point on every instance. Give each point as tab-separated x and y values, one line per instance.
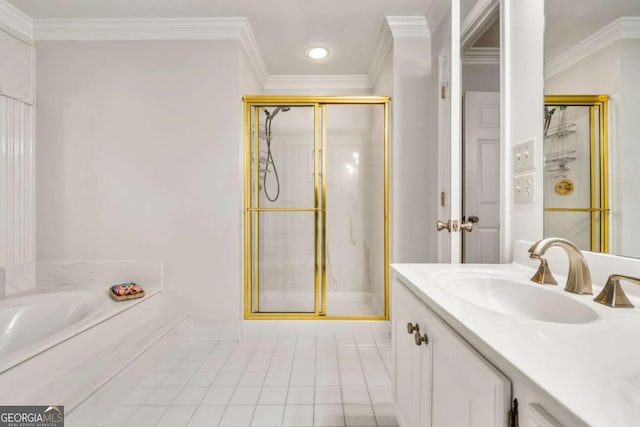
283	209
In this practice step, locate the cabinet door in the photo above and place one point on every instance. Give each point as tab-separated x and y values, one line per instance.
467	390
411	363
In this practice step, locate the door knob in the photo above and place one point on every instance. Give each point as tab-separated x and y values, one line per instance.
450	225
468	226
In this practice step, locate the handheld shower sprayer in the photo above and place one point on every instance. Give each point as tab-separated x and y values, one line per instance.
269	158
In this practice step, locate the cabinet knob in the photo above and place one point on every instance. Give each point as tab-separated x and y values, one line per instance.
411	328
421	338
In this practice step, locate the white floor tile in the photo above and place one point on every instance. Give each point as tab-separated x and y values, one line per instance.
206	416
211	365
347	353
146	416
168	365
355	395
377	379
328	395
238	416
359	415
190	396
176	416
202	379
298	416
257	365
234	365
138	396
217	396
245	396
385	415
281	365
345	341
188	365
277	379
227	379
177	379
252	379
162	396
300	395
327	379
155	379
303	365
302	379
327	365
352	379
350	365
119	416
268	416
328	416
273	396
373	365
380	395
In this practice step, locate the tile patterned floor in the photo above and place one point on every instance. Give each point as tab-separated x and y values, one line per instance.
266	381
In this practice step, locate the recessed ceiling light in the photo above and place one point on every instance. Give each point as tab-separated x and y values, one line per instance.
317	52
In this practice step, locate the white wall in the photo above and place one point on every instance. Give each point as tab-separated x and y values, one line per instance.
480	77
522	113
413	152
139	155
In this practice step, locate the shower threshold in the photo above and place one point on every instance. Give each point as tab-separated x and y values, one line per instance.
338	303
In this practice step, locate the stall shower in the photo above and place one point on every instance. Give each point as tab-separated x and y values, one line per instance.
316	204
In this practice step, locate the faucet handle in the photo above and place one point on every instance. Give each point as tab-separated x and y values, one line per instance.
543	276
612	293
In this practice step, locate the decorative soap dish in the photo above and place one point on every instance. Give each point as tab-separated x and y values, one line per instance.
126	291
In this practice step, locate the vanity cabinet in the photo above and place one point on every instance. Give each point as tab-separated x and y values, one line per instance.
439	380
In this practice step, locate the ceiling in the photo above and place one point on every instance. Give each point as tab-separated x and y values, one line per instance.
568	22
283	28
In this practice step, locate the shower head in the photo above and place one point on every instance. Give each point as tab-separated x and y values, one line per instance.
276	111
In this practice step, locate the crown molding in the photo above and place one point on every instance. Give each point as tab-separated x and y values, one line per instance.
140	29
380	54
229	28
16	23
481	56
289	83
622	28
483	14
408	26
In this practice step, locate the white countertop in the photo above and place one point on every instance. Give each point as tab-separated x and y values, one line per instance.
593	369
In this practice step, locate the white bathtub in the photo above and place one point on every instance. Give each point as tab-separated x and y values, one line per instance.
32	324
62	346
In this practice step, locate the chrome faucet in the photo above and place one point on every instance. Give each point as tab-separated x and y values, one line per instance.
579	279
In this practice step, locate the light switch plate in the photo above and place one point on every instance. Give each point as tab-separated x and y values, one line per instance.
523	188
523	156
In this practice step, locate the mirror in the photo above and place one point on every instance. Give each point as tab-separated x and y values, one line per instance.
591	49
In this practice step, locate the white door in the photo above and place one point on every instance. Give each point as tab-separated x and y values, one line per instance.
482	176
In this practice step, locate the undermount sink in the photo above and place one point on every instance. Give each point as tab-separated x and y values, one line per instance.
516	297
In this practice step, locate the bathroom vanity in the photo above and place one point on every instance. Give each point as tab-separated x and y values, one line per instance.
468	339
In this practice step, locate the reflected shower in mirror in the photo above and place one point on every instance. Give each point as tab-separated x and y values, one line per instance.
593	50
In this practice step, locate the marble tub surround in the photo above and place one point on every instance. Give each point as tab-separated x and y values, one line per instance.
18	278
589	370
99	273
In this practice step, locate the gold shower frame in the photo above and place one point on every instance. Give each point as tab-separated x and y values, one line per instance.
320	289
602	181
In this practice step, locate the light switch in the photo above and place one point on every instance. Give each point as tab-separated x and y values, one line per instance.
523	156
